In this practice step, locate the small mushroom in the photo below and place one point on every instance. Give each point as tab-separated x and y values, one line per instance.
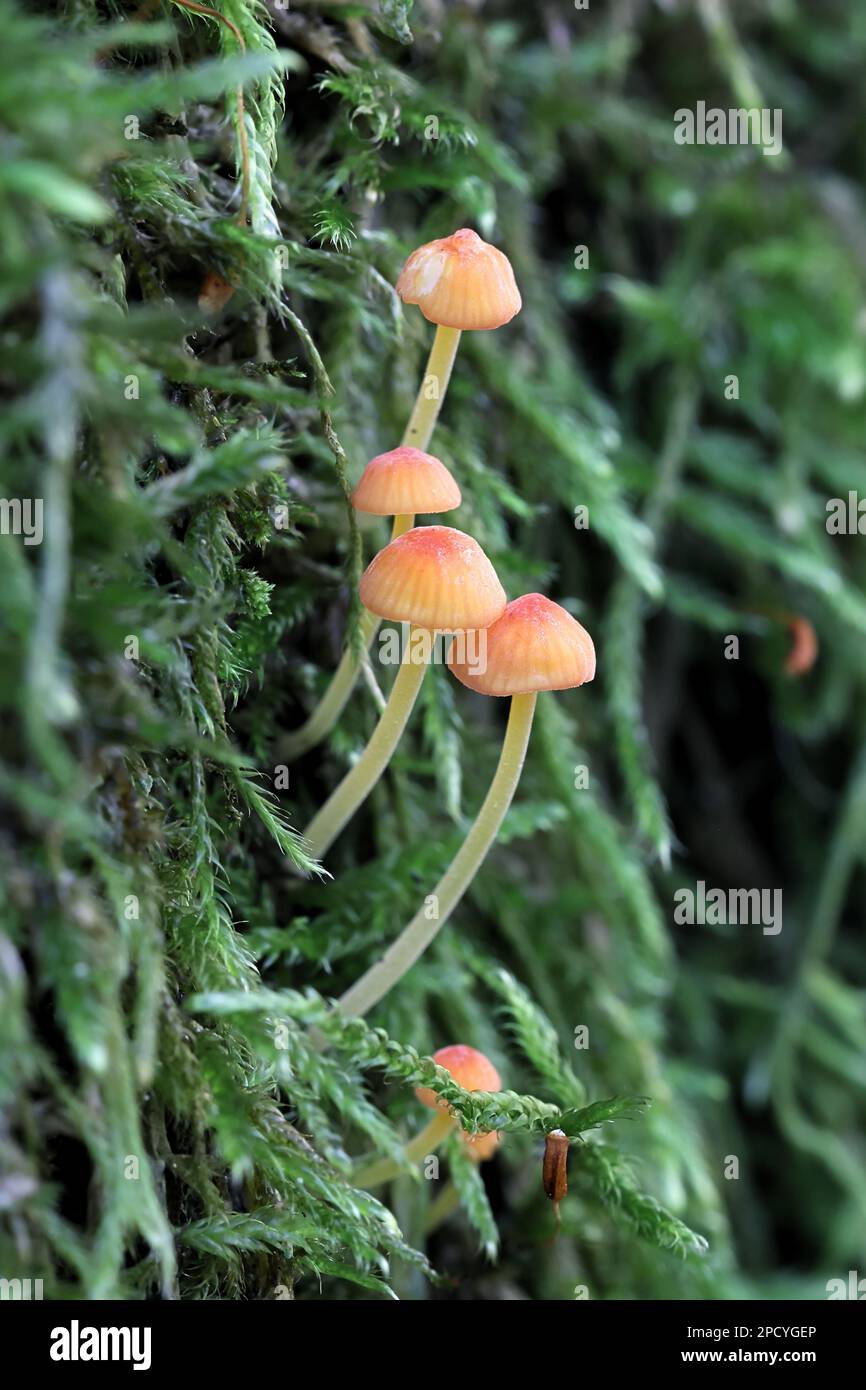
474	1072
458	282
535	645
433	578
471	1070
215	293
804	645
401	484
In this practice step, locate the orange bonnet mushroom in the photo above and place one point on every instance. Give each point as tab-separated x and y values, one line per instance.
536	645
434	578
403	482
458	282
474	1072
461	282
471	1070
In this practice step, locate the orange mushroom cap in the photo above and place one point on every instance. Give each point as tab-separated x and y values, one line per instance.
405	480
470	1069
481	1146
804	646
460	281
474	1072
535	645
215	293
435	577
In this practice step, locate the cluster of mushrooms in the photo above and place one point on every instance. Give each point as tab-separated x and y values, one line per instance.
438	580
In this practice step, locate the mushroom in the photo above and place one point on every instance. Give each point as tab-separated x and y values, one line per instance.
400	483
471	1070
535	645
457	282
804	645
438	580
474	1072
403	482
460	281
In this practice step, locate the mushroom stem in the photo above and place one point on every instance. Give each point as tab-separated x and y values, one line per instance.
434	384
418	432
326	713
416	937
427	1142
360	780
403	522
439	1210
